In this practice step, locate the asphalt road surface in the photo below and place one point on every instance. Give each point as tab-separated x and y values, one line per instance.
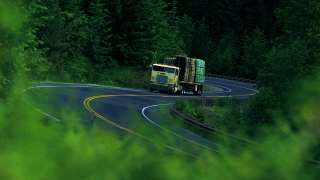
125	111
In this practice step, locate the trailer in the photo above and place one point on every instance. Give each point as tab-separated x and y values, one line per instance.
178	74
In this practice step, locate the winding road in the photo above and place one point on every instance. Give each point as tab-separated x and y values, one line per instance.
131	111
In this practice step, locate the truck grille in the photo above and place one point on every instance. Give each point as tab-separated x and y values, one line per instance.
162	79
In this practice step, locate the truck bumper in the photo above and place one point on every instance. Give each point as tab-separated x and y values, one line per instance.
160	87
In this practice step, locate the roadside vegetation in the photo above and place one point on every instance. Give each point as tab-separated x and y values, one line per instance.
224	115
34	147
241	120
124	76
113	42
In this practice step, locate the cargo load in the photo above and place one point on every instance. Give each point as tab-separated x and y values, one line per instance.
200	71
178	74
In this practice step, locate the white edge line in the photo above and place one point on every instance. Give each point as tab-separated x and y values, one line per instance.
78	85
171	131
220	86
235	82
38	109
88	85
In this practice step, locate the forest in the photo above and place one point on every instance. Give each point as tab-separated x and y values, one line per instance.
276	42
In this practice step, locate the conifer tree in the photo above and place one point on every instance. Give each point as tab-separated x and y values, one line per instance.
76	36
254	54
166	32
98	46
141	31
202	44
224	58
173	21
253	13
296	53
51	34
186	29
116	17
141	26
193	9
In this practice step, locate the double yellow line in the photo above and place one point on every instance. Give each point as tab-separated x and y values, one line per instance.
87	105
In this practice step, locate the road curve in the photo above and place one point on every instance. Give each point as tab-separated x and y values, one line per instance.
132	111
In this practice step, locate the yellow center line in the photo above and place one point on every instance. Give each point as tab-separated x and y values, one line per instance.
86	104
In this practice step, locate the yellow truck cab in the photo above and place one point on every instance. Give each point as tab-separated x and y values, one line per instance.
178	74
164	78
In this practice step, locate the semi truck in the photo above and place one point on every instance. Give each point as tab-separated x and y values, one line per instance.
178	74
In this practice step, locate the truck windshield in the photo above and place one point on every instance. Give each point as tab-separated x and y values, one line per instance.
163	69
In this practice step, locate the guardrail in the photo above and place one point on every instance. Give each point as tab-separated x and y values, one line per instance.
232	78
220	134
207	128
212	102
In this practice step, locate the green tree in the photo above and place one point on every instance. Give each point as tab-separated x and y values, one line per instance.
166	32
19	55
254	54
186	29
141	31
51	34
145	31
202	45
222	17
260	112
301	21
117	17
224	58
253	14
98	45
294	57
76	36
296	53
284	66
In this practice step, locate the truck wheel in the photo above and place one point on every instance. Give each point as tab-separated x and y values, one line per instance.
195	92
183	90
151	90
200	90
172	91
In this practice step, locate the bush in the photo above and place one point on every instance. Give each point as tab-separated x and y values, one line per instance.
191	110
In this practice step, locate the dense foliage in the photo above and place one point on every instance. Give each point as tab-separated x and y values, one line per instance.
276	42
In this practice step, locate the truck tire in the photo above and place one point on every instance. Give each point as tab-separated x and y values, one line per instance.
200	90
151	90
172	91
195	92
